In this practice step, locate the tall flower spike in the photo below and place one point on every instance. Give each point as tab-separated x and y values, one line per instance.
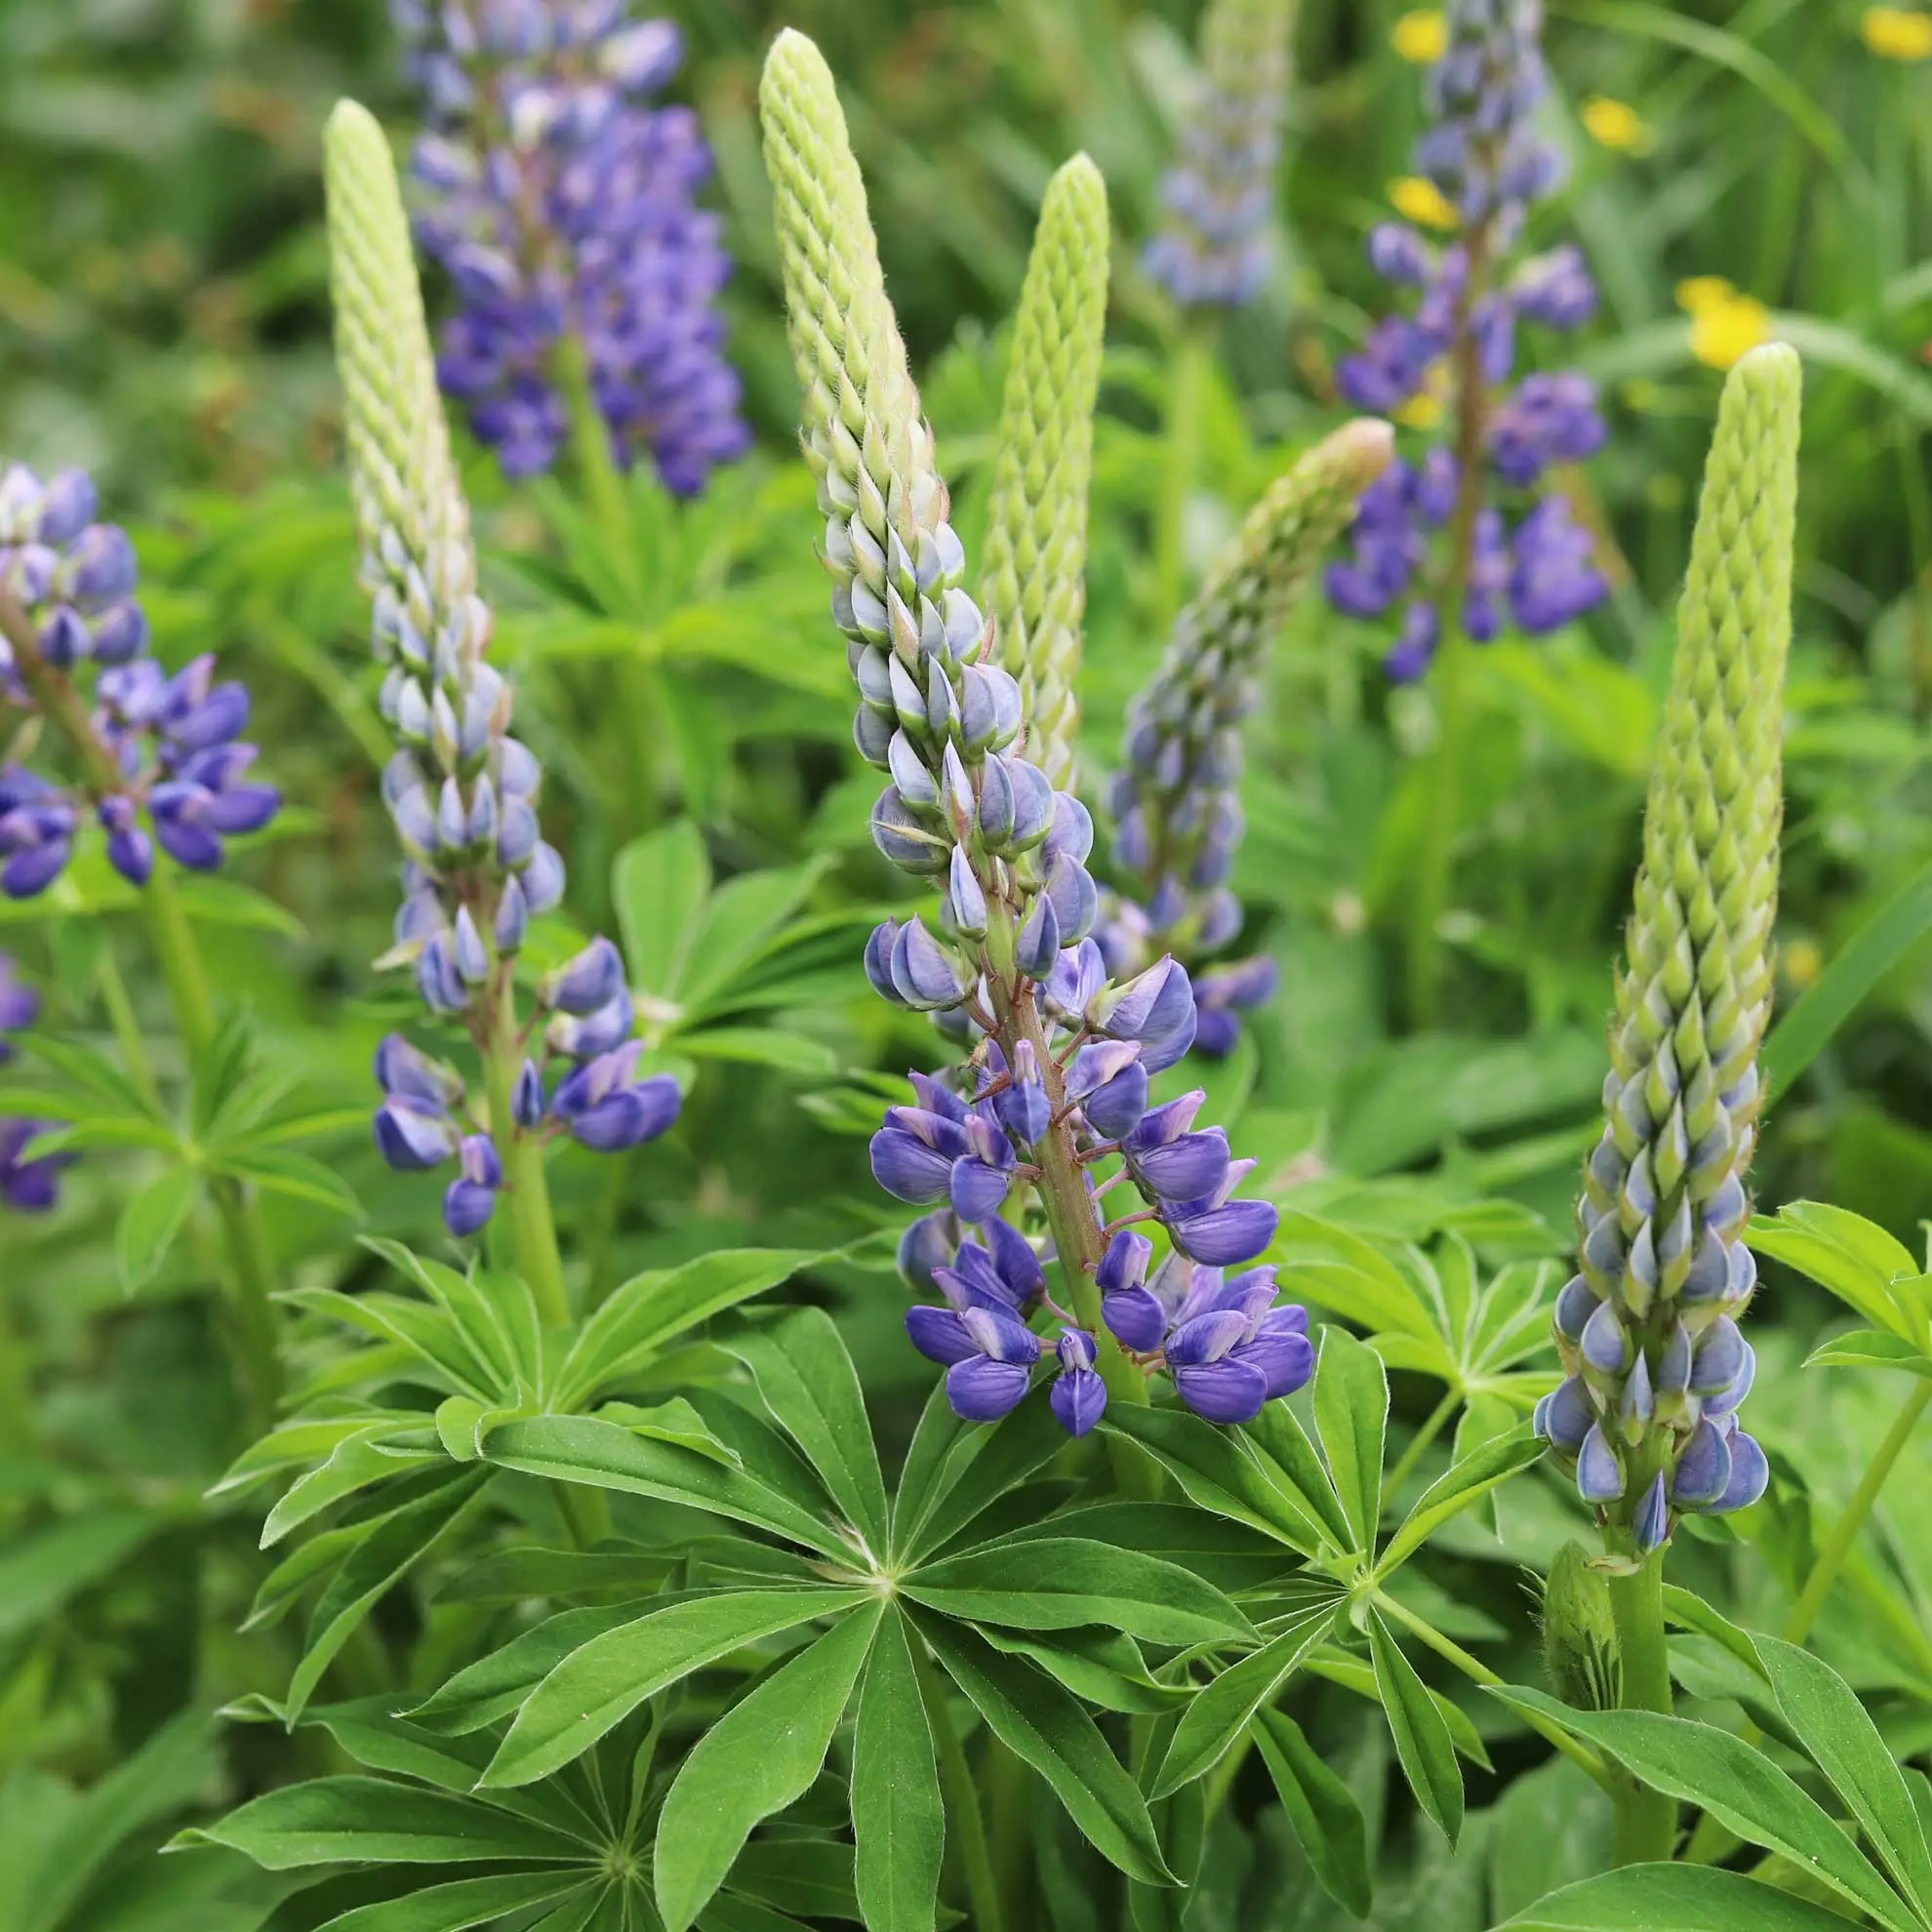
462	791
1008	1138
1434	530
1035	582
1176	799
1648	1328
1218	199
563	203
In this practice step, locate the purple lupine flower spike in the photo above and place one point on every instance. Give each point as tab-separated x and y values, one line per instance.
29	1186
1539	572
159	759
564	206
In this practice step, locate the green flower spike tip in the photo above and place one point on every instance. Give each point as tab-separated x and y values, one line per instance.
1035	585
1648	1328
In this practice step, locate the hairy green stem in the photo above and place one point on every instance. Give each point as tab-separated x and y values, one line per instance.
1844	1532
962	1799
1646	1823
1479	1672
1418	1443
1188	385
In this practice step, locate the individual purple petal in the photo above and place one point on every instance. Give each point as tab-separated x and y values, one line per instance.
1651	1526
940	1335
908	1169
1750	1474
412	1135
1599	1475
1223	1236
984	1391
1565	1416
1078	1395
1222	1392
1704	1468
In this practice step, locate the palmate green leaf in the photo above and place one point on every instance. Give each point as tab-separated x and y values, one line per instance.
370	1454
762	1756
459	1905
1422	1744
491	1309
1355	1278
1321	1810
1039	1720
1218	1469
495	1685
1841	1740
1099	1666
601	1683
898	1816
805	1380
1297	1475
1735	1785
97	1073
1055	1582
374	1821
1351	1418
375	1563
608	1456
294	1175
427	1333
761	1046
153	1216
642	1315
956	1470
1869	1348
1228	1554
1218	1714
1673	1898
1465	1481
736	925
1872	1273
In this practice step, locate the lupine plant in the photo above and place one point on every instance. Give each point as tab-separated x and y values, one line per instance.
1261	1530
1467	537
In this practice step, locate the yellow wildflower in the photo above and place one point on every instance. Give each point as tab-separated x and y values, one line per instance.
1616	124
1724	323
1422	411
1420	36
1802	962
1897	34
1418	199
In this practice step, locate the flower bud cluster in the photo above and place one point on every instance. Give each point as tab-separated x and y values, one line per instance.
160	756
562	202
1218	199
425	1118
1457	346
29	1186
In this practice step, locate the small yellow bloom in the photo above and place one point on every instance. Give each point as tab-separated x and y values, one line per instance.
1422	411
1418	199
1420	36
1802	962
1616	124
1897	34
1724	323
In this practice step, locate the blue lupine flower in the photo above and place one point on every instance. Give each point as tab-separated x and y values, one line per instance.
1228	1347
560	201
1484	153
184	778
26	1185
1218	199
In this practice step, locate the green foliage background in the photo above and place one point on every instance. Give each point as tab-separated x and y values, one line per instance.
163	319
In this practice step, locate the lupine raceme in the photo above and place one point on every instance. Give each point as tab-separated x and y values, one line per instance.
27	1186
1648	1328
1176	806
153	758
1218	199
1433	536
462	793
1054	1094
563	204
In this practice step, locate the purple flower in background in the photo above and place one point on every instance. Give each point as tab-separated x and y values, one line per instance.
1218	199
563	206
1522	558
162	762
26	1185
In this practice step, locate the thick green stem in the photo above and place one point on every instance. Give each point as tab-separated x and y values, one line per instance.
1646	1825
1186	390
1479	1672
962	1799
250	1265
1420	1441
1443	809
1844	1532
